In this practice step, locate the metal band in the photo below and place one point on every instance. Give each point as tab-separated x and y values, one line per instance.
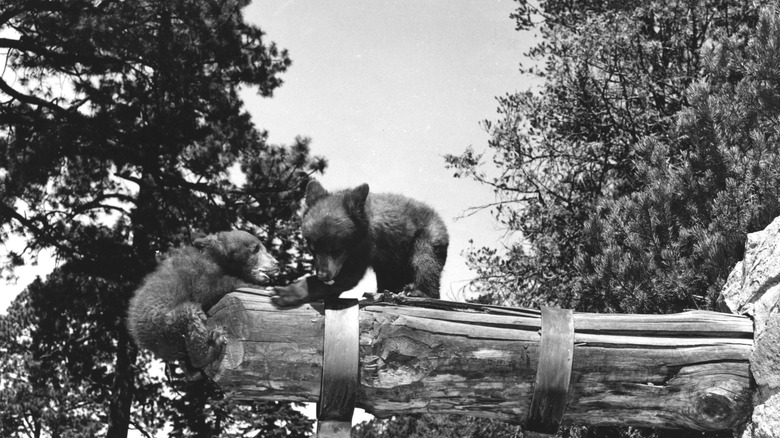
554	371
340	360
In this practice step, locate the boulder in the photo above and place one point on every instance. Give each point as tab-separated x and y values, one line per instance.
753	288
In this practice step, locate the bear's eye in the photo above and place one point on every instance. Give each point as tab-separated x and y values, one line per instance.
256	248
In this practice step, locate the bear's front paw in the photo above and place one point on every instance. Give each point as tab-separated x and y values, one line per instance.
411	291
293	294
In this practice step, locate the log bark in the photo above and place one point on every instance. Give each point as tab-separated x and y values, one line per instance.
687	370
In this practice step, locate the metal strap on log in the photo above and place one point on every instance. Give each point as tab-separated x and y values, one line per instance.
553	373
340	360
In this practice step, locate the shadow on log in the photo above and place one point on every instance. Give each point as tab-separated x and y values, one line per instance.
682	371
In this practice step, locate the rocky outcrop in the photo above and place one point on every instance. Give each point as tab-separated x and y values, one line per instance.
753	288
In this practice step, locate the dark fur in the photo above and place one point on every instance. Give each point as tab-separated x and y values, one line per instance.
167	313
403	240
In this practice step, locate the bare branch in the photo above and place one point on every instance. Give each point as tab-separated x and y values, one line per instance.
32	100
40	233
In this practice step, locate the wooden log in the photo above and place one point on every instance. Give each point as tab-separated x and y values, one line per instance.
687	370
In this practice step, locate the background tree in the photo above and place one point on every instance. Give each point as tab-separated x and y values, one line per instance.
615	74
669	244
121	134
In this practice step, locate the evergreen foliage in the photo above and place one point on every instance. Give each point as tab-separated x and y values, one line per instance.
436	426
669	244
121	135
620	81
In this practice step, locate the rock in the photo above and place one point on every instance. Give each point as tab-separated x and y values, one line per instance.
734	295
766	420
765	357
753	288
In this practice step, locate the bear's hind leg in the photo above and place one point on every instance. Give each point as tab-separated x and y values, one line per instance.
203	345
427	263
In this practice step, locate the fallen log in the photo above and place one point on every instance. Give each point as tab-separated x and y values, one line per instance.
687	370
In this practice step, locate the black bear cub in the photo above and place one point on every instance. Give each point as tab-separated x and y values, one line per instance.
167	313
403	240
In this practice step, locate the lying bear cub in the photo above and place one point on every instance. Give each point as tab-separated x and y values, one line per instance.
167	314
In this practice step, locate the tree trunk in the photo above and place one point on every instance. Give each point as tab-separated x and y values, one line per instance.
122	393
687	370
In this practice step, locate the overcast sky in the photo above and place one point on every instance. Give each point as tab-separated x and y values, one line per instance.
385	89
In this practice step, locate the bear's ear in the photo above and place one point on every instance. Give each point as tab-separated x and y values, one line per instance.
210	241
314	192
356	200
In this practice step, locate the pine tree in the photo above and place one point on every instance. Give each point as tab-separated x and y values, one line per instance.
615	74
122	133
668	245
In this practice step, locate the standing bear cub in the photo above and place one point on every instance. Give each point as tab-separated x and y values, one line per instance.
403	240
167	313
